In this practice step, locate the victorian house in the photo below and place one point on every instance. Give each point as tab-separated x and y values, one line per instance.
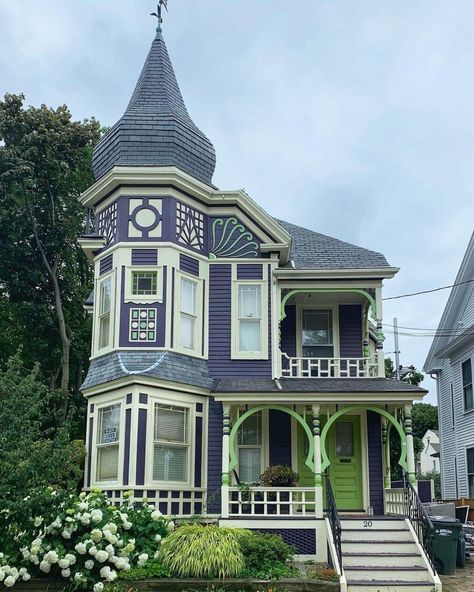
226	341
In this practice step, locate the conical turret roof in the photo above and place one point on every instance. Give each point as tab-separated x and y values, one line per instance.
156	129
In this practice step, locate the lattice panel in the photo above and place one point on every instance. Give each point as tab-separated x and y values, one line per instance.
189	226
107	223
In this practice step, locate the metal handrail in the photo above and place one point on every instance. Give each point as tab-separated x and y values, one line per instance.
334	520
420	520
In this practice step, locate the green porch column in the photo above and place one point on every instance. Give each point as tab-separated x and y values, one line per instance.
225	462
318	479
410	447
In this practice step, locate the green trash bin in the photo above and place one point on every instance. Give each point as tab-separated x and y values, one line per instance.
445	543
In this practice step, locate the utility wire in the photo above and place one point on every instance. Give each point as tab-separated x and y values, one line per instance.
427	291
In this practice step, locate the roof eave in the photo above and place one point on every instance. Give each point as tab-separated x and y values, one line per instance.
344	273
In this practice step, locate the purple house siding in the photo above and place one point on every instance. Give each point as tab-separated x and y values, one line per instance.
250	272
89	453
198	456
126	459
106	264
374	441
279	437
220	362
288	331
214	456
188	264
144	257
350	330
141	446
160	317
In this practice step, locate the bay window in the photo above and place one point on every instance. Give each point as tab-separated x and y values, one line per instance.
105	311
249	443
108	443
188	314
171	443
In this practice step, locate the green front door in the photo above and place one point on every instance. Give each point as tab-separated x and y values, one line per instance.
344	451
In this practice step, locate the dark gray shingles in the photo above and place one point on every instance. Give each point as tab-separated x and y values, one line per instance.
312	250
314	385
156	129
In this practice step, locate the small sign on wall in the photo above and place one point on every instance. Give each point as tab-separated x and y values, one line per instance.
110	435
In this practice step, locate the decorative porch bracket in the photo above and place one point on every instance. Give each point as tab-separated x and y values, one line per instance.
235	428
393	421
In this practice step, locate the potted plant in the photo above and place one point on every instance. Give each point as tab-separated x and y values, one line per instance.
279	476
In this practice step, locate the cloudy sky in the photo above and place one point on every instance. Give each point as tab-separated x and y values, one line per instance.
352	117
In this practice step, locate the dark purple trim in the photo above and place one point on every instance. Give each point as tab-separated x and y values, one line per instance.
141	446
199	407
350	330
129	398
374	442
106	264
144	257
214	456
92	407
126	457
198	455
203	330
89	452
253	271
143	398
288	331
279	437
188	264
172	305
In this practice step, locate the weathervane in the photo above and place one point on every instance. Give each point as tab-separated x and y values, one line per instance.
159	9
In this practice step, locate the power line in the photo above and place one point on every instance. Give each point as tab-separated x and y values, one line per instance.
428	291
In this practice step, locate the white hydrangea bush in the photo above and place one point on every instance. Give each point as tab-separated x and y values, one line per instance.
84	539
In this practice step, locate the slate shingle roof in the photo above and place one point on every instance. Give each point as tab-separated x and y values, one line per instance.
156	129
314	385
312	250
164	365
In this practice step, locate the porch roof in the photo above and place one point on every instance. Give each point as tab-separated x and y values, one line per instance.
315	385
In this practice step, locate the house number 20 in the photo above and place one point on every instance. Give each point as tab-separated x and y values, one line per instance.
367	523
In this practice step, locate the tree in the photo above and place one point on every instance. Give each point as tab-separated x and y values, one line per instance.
408	374
45	163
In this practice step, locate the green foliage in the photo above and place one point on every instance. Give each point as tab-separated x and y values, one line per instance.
203	552
151	569
266	555
32	455
279	476
83	539
414	377
322	571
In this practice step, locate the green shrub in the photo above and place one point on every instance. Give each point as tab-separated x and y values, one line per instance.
151	569
259	548
203	552
279	476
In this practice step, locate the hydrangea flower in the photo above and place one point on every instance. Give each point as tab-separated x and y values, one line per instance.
98	587
96	516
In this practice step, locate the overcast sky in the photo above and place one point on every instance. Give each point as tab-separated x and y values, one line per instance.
353	118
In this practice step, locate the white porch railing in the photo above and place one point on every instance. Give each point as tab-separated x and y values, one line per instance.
272	501
329	367
395	503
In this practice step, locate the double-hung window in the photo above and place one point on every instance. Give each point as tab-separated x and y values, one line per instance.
105	311
249	444
108	443
188	314
171	444
470	471
466	370
249	336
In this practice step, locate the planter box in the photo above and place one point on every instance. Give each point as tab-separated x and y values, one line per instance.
173	585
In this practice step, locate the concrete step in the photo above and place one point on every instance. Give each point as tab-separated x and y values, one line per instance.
364	559
373	524
379	546
380	535
382	586
387	574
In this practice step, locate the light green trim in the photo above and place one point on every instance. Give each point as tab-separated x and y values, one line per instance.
373	305
233	457
403	456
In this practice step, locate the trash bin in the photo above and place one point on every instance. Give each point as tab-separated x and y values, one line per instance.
461	554
445	543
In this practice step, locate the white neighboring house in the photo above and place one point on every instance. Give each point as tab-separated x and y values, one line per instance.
429	456
451	360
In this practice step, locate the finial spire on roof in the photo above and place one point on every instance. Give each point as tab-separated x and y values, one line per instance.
159	13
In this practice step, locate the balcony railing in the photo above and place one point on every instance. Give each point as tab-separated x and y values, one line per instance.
272	501
329	367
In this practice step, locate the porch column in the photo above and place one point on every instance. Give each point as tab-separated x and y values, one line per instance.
386	450
225	462
380	335
410	447
318	479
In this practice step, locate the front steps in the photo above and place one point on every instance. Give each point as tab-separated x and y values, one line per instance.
382	555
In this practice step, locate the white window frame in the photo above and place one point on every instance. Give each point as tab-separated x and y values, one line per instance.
94	453
467	409
335	325
191	445
262	353
143	298
264	446
198	317
100	280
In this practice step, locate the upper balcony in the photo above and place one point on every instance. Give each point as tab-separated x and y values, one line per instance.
328	333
